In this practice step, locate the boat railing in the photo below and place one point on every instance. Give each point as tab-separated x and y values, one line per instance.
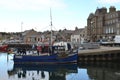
45	51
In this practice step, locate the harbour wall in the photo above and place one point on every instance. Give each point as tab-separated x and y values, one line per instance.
101	54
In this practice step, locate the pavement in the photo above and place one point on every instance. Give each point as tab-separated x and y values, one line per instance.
101	50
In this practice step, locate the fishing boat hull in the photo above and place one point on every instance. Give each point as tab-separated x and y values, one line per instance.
46	59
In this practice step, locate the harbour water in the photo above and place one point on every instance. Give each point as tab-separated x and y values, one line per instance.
81	71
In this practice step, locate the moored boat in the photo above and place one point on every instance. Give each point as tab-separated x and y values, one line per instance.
48	55
3	47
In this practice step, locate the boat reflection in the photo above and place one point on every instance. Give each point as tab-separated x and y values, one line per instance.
42	71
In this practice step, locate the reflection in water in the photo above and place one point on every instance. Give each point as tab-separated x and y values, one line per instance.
82	71
44	72
102	70
11	71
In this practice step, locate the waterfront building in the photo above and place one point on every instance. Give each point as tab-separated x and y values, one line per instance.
103	24
30	36
79	36
76	37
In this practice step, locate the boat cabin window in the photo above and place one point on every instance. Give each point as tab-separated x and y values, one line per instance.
59	49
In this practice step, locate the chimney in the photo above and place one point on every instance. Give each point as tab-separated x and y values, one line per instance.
104	10
112	9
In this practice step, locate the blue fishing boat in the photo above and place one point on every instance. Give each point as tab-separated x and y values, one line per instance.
60	52
57	55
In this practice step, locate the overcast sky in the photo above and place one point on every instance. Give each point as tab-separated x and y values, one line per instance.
35	14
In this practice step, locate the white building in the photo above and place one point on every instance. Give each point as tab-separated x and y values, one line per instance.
78	37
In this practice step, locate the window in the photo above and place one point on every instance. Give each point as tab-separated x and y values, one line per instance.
112	30
111	15
117	31
107	30
113	20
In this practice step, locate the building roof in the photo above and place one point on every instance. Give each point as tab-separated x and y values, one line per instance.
91	16
78	31
29	31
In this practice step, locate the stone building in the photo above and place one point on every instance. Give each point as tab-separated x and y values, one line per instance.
79	36
103	24
31	36
64	35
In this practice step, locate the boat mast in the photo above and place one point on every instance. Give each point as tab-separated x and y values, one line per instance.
21	30
51	24
51	28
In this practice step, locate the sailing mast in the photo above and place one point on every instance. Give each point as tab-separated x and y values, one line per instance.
51	25
51	28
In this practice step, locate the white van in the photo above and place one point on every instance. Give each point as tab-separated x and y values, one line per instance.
117	39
